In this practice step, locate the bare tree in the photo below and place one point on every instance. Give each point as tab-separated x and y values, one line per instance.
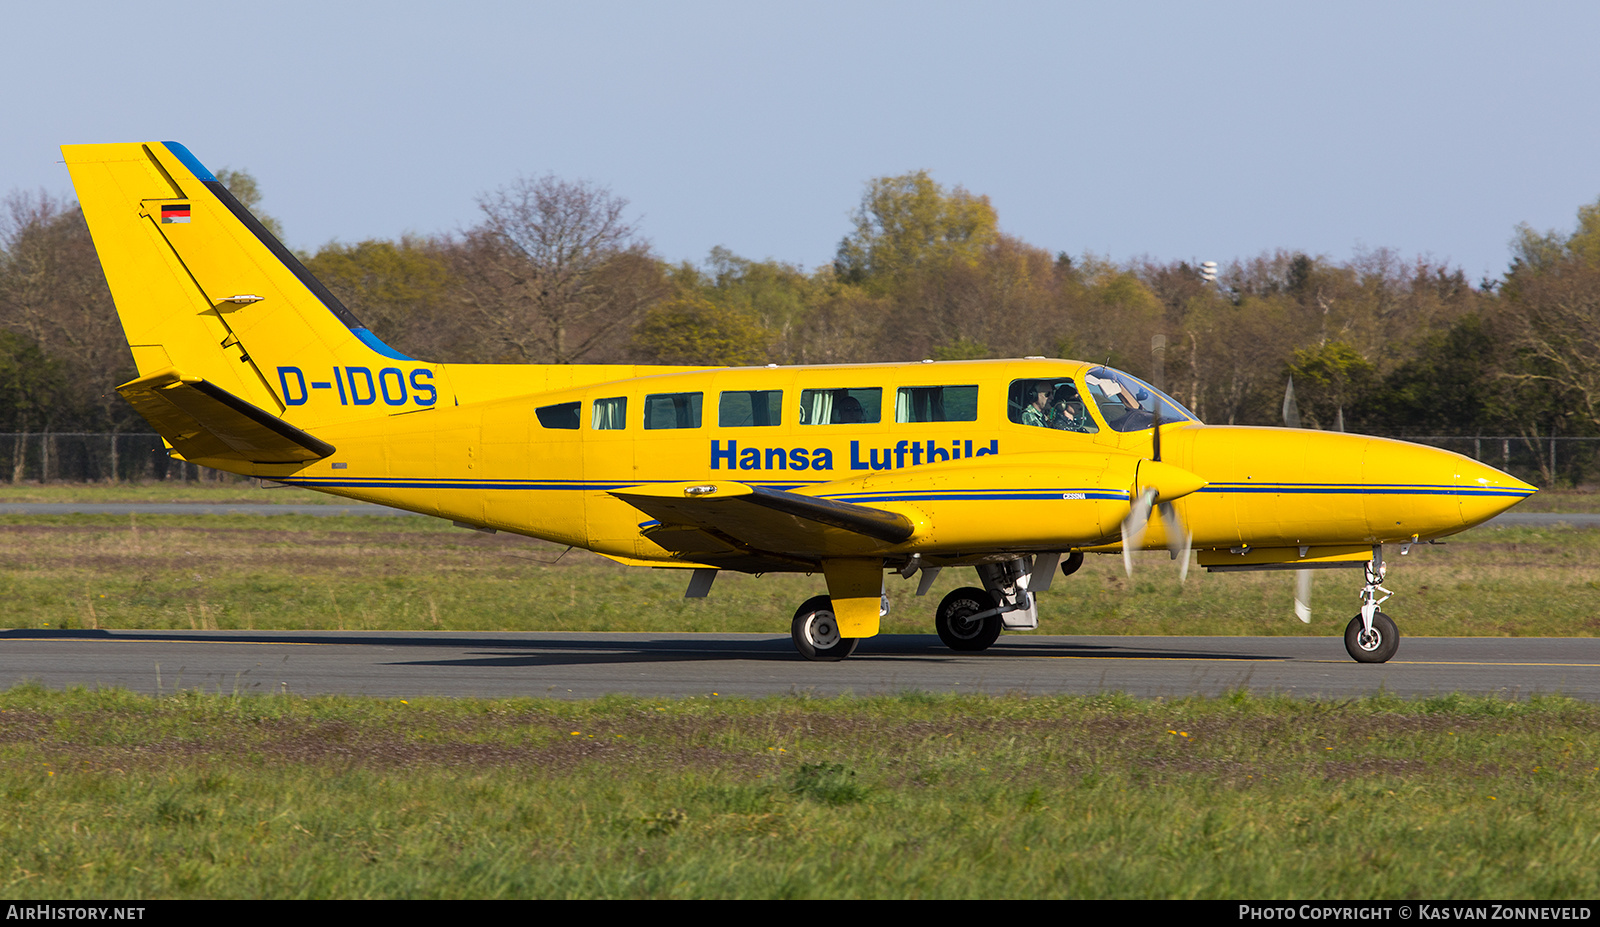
555	274
54	294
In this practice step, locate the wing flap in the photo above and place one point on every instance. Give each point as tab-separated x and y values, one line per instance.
204	421
763	519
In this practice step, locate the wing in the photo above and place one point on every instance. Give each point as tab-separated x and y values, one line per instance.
724	522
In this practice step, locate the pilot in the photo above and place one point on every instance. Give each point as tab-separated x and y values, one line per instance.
1070	414
1039	412
1074	417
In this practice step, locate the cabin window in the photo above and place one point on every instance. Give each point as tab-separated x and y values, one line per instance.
1049	403
561	415
750	408
841	406
936	404
672	410
610	414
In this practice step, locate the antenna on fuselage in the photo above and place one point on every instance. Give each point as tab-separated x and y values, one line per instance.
1155	431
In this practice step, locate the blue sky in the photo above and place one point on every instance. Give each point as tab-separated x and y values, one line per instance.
1178	131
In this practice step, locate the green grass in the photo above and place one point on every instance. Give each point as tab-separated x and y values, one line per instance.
917	796
384	573
1561	500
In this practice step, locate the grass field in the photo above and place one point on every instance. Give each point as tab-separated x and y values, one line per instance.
110	795
383	573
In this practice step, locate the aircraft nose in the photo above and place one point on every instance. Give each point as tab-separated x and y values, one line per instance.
1420	491
1485	492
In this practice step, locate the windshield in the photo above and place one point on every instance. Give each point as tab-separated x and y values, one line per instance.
1128	403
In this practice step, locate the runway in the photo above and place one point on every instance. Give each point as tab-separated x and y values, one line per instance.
589	665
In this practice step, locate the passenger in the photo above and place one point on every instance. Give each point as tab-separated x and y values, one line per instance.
849	411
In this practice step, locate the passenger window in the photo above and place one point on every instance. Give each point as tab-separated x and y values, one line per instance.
610	414
936	404
672	410
562	415
1049	404
750	408
841	406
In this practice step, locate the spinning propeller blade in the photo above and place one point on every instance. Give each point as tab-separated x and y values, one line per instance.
1133	526
1179	538
1155	487
1302	595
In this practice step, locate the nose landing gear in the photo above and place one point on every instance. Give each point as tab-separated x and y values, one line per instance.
1371	644
1371	637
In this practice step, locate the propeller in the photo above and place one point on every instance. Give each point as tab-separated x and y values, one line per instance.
1302	578
1156	485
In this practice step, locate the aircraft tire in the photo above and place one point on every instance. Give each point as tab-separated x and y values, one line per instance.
816	632
1385	640
960	632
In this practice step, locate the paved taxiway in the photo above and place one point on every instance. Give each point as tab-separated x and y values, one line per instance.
586	665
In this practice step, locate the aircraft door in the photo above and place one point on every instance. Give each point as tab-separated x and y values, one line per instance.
610	428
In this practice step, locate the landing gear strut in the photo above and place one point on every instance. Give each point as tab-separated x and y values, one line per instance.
971	619
1371	636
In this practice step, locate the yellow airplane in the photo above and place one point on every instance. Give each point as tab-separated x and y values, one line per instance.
1014	467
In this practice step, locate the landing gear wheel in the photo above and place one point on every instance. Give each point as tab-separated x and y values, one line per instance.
958	629
1375	646
816	632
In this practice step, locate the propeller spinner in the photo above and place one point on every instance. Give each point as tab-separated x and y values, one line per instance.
1155	486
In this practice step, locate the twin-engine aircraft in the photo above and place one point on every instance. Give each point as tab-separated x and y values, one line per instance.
1013	467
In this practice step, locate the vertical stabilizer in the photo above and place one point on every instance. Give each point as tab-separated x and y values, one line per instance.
205	291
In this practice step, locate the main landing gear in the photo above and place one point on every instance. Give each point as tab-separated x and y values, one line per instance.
816	632
969	619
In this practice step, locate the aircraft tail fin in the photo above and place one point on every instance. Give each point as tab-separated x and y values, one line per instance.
210	298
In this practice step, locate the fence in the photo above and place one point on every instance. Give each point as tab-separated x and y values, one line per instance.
78	457
1542	461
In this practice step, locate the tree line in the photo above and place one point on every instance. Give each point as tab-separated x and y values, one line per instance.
555	272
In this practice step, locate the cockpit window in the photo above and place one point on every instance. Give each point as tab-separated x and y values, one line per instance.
1128	403
1049	404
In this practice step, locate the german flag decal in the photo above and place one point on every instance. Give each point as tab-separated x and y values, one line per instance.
177	212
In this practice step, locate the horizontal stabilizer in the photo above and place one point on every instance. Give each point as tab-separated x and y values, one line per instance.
769	519
204	421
